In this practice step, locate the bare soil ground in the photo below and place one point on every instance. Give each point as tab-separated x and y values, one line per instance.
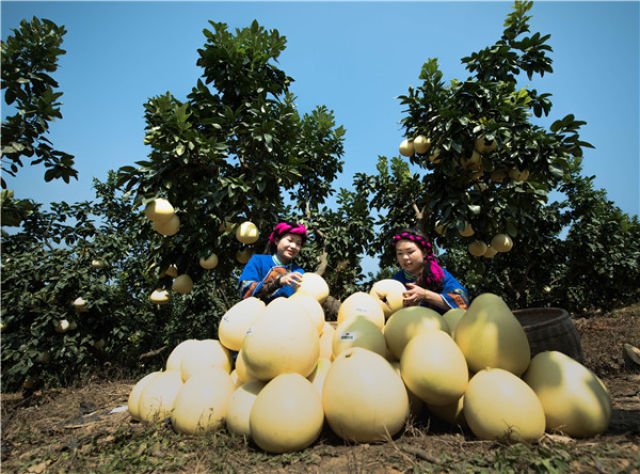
73	430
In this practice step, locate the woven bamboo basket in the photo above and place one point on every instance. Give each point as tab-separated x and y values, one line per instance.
550	329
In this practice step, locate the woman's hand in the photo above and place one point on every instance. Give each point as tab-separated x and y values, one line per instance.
416	295
291	279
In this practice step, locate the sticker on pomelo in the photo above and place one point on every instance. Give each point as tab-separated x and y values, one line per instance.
348	336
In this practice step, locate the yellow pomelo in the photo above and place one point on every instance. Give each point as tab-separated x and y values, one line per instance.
159	210
490	252
80	305
243	256
234	377
157	398
168	228
631	353
247	232
160	296
203	355
452	413
133	402
286	415
239	407
499	175
388	292
241	368
416	405
95	263
237	320
175	357
498	404
474	161
483	146
315	285
201	403
489	335
501	243
182	284
439	228
319	374
326	341
361	304
286	342
421	144
467	231
434	368
311	307
226	225
518	175
210	262
407	322
364	400
453	317
170	271
574	399
61	325
406	148
477	248
434	157
358	331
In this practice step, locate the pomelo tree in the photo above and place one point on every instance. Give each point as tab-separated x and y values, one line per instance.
237	149
29	57
476	156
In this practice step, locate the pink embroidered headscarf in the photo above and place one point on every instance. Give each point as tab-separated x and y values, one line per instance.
433	273
285	228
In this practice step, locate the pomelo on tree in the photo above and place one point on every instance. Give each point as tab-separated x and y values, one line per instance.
247	232
159	210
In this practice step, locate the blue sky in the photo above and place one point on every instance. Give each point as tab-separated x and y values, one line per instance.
353	57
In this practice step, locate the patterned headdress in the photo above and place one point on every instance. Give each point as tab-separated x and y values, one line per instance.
433	273
285	228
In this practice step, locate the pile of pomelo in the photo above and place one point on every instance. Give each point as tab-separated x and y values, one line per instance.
278	372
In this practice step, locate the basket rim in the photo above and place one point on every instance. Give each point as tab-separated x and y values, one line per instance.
558	314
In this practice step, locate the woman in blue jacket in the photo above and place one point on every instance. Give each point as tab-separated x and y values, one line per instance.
273	274
427	283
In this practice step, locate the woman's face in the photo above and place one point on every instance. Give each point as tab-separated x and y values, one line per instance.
410	256
288	247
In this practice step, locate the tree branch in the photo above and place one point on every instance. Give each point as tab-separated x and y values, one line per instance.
155	352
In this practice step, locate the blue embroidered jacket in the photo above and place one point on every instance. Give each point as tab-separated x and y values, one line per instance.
453	293
262	270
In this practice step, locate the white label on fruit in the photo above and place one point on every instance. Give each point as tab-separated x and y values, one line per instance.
225	318
348	336
249	331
